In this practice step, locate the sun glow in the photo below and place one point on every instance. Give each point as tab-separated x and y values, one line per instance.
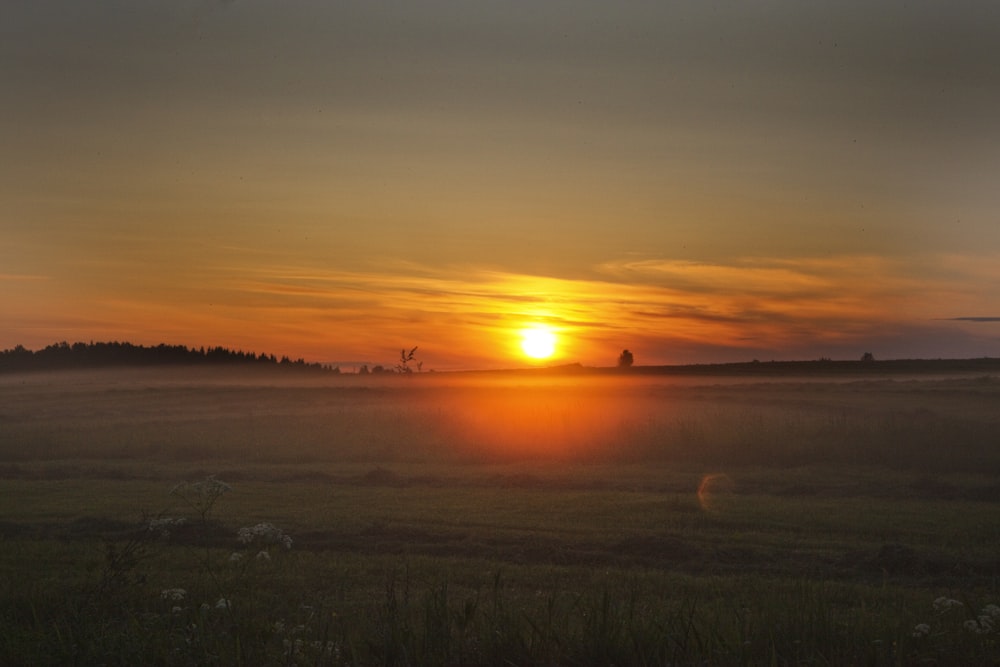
538	342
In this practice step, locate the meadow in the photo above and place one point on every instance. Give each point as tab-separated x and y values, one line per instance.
187	517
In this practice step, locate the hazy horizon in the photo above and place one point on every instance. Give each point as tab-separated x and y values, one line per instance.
247	363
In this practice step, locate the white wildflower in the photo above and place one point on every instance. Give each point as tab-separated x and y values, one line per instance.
235	557
972	625
223	603
263	555
921	630
210	486
173	594
264	534
204	607
217	485
163	525
943	604
991	610
201	496
292	647
986	623
176	610
327	648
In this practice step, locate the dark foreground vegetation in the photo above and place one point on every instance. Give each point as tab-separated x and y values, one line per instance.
451	520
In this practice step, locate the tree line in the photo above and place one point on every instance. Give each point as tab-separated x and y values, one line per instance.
93	355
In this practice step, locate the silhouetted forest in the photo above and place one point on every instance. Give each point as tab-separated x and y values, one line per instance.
98	355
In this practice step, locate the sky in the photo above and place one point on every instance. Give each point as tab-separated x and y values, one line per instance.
693	181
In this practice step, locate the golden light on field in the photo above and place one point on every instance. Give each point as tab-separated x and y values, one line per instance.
538	342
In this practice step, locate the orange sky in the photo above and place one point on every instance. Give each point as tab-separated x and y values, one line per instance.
695	183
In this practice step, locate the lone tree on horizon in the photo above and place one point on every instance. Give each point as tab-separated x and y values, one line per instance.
625	359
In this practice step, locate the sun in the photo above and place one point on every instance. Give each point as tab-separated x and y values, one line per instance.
538	342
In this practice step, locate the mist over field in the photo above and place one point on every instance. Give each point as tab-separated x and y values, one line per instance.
835	512
137	417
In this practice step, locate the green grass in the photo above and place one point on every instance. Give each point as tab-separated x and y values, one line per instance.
542	524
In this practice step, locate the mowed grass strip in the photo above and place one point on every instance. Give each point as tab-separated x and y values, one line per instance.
834	537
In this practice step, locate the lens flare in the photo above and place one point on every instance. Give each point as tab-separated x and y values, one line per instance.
714	490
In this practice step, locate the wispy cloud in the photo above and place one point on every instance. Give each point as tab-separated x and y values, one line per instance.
468	315
778	304
12	277
973	319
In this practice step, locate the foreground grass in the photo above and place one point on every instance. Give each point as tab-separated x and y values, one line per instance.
416	617
823	524
391	573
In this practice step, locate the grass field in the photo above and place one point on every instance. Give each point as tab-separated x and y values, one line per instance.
478	519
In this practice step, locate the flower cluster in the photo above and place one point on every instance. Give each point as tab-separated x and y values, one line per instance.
210	487
298	648
174	594
201	496
221	603
943	604
986	622
163	525
264	534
